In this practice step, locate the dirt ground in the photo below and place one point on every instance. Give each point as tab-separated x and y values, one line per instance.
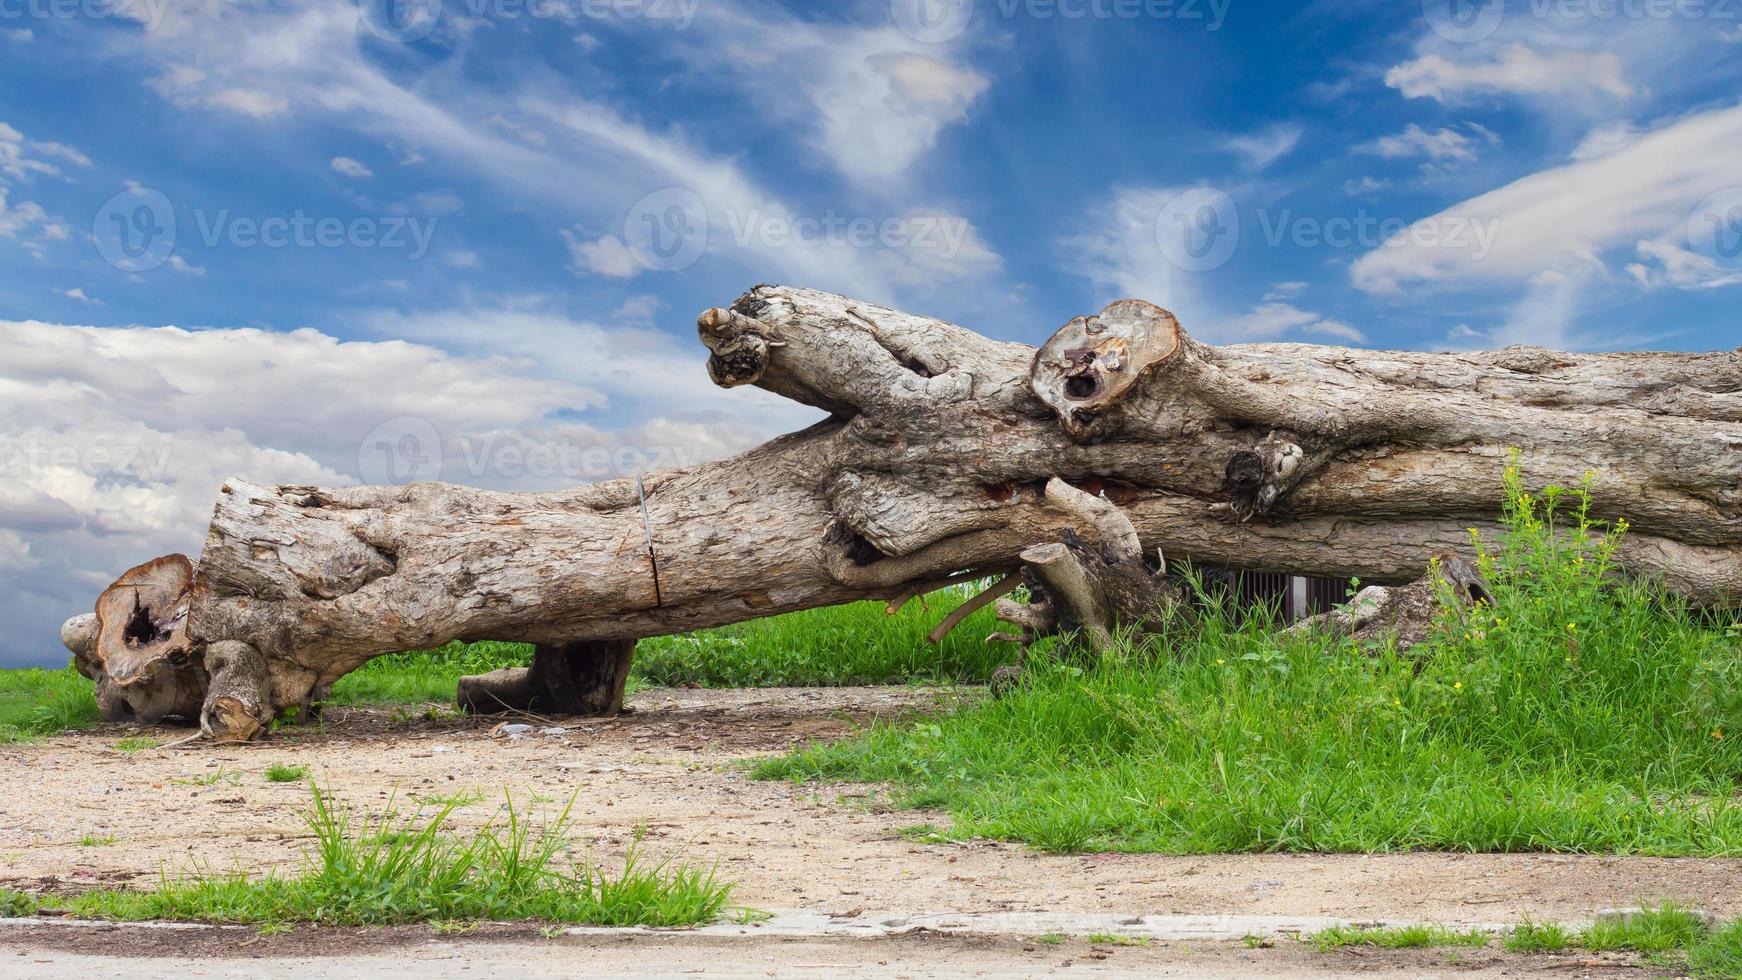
674	766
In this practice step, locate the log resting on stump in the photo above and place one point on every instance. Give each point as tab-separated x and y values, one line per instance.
935	459
584	678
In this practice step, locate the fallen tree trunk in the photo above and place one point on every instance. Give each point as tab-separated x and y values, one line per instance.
936	457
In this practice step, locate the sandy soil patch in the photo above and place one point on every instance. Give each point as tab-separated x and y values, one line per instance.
674	766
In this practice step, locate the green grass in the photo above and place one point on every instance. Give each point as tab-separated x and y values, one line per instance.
1719	954
1417	936
1535	937
281	773
136	743
1578	714
1655	930
852	644
386	870
96	840
18	905
1668	935
34	703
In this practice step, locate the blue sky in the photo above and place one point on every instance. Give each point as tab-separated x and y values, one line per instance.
322	242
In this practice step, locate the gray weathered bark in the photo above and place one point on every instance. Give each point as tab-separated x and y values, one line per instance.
935	459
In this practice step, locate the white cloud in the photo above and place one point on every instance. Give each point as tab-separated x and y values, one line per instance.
180	264
606	255
1259	150
20	36
463	260
1286	290
1365	185
873	100
1441	146
80	295
250	102
1274	320
22	160
308	56
1565	218
1119	254
114	441
1516	69
1605	139
1665	263
351	168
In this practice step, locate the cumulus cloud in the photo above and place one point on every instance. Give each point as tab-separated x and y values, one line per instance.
606	255
351	168
113	441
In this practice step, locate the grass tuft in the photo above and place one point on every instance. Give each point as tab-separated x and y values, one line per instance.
1534	937
1654	930
384	870
1577	713
1719	954
278	772
1418	936
18	905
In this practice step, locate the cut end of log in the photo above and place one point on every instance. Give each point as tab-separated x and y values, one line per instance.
1088	366
142	621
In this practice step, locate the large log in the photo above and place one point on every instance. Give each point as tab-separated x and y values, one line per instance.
935	458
